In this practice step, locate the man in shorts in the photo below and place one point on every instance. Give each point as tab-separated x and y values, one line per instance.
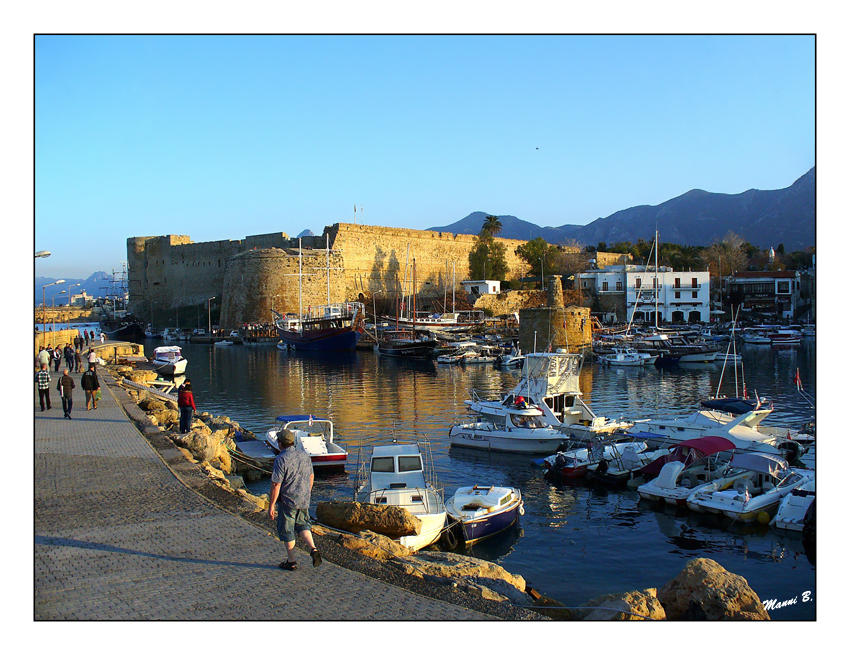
292	482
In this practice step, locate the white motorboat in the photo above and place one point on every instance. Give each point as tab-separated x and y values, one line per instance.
691	465
313	435
549	384
519	430
397	476
794	508
169	360
768	481
577	462
627	357
481	511
223	342
745	431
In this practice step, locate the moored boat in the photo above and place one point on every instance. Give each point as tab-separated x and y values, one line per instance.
169	360
626	356
397	476
481	511
336	326
768	481
313	435
795	508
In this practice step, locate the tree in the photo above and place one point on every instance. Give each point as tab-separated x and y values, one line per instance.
492	225
487	258
686	258
535	253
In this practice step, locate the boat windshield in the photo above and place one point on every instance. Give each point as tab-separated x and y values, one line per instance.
521	421
383	465
409	463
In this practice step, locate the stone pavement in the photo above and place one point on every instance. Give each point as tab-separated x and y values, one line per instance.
118	536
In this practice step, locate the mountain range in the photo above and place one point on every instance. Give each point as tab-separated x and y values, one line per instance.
99	285
696	218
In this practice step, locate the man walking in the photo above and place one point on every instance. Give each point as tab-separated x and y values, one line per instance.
292	482
42	379
90	385
43	357
57	358
66	386
69	357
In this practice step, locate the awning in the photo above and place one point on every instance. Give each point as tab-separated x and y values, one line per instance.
760	462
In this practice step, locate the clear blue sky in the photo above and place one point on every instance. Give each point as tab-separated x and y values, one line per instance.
220	137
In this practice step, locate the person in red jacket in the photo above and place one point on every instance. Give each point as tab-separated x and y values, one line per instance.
186	404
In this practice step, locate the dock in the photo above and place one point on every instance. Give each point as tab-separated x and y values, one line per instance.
121	533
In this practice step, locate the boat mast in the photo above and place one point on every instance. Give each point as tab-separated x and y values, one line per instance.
328	264
413	309
453	287
657	290
300	304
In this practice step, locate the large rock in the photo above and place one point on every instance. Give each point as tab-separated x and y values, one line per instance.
142	377
197	443
706	587
152	404
373	545
630	606
355	517
469	569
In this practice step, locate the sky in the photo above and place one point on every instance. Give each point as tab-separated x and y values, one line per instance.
221	137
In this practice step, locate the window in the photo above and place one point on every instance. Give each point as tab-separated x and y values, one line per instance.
678	294
677	283
694	282
382	465
637	283
619	286
782	287
605	286
409	463
694	294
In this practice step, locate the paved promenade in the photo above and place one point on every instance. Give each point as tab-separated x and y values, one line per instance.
118	536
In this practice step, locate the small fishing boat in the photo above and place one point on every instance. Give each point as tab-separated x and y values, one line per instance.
223	342
512	359
169	360
627	357
479	512
398	477
313	435
578	462
405	344
770	479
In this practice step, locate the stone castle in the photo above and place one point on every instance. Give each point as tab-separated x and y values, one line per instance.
172	279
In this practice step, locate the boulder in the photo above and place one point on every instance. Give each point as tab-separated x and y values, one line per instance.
470	569
705	587
630	606
353	517
552	609
197	443
373	545
142	377
152	404
170	404
165	416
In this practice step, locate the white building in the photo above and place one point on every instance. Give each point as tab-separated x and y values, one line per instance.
636	293
482	287
80	299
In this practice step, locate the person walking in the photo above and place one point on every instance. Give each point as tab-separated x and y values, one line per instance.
186	405
57	358
69	357
85	338
289	499
42	379
91	385
91	357
66	386
43	357
78	360
102	338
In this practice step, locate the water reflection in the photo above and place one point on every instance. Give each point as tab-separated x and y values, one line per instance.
601	530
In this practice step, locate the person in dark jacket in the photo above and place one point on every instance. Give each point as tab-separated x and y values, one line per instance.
78	361
90	385
186	405
69	357
66	386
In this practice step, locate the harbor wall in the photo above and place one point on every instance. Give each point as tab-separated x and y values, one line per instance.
171	278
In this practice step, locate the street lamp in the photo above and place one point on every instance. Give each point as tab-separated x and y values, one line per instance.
44	302
43	253
53	307
209	315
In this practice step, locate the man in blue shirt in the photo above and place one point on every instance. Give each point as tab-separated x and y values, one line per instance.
292	482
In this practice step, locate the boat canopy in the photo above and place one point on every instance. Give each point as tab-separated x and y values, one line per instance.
162	350
760	462
687	451
707	445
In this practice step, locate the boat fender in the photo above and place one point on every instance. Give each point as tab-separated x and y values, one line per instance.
522	509
449	538
763	518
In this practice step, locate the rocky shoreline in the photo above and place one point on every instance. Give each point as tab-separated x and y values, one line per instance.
206	460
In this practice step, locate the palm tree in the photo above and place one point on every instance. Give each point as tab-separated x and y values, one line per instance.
492	225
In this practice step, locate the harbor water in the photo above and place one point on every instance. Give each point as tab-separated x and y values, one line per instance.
574	542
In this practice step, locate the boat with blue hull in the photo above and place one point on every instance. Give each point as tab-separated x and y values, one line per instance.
480	512
337	326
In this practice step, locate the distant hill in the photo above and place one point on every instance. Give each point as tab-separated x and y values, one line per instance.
696	218
97	284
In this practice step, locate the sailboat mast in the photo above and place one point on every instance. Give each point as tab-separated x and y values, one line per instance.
453	287
413	309
328	264
300	304
657	289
